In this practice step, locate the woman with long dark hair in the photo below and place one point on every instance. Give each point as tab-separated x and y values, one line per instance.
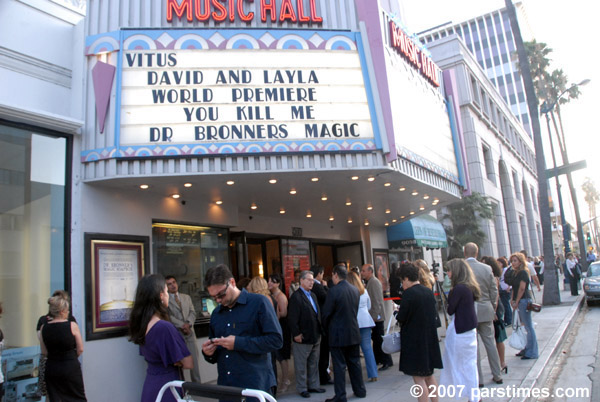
521	296
161	344
499	330
460	353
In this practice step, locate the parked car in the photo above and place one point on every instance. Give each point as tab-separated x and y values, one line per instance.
591	283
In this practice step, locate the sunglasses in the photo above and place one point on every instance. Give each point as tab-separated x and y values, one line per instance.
221	294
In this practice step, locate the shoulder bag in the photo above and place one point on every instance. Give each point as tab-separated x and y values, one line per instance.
391	342
533	306
518	338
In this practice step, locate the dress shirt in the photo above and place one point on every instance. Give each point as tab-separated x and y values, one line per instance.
257	334
310	299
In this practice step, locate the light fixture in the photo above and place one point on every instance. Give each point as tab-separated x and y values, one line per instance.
387	211
412	212
331	218
314	179
282	211
253	206
425	197
230	182
348	203
218	202
415	192
387	184
396	220
402	189
324	198
370	208
354	177
386	224
308	214
176	196
366	223
293	191
349	220
273	181
187	185
371	178
403	216
144	186
421	208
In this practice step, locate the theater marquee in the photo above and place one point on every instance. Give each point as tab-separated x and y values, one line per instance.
245	99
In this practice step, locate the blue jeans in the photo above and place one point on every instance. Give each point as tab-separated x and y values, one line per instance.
531	349
365	345
505	299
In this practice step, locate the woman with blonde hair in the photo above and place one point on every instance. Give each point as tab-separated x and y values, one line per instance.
521	297
62	344
460	353
365	323
259	285
425	277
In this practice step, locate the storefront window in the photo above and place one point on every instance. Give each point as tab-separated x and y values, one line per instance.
187	252
32	229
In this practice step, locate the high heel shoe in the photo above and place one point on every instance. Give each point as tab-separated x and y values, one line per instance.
505	369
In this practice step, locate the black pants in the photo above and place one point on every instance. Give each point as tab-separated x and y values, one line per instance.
347	356
324	377
573	282
376	337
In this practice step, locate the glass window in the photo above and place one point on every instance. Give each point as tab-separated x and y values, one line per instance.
187	252
33	183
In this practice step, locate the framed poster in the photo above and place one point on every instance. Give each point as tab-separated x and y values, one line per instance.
113	266
381	265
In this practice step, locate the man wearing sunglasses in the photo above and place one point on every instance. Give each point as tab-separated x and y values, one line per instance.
243	333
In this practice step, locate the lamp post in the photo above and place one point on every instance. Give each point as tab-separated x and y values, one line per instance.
549	109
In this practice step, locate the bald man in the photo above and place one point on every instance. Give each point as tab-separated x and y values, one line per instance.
486	310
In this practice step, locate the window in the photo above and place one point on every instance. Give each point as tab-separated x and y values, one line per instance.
475	89
33	188
489	163
517	186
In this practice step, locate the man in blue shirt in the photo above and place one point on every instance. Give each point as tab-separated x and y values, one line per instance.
243	332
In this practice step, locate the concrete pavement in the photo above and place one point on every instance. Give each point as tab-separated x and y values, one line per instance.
552	325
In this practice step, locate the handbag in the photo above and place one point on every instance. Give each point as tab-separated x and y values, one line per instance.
391	342
518	338
533	306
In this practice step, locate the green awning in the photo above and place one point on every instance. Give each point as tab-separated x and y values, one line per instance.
422	231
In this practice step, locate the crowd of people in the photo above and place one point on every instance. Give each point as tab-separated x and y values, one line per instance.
323	324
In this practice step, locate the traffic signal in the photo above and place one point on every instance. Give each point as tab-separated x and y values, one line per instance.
588	237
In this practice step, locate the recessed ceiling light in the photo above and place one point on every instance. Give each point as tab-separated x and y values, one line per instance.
253	206
425	197
349	220
412	212
354	177
403	216
371	178
366	223
395	220
273	181
308	214
176	196
324	198
415	192
370	208
230	182
282	211
293	191
314	179
348	203
331	218
402	189
387	211
421	208
144	186
218	202
188	185
387	184
386	224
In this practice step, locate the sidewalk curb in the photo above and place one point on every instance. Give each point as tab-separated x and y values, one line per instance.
542	367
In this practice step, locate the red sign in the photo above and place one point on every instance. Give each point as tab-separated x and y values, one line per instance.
220	10
411	51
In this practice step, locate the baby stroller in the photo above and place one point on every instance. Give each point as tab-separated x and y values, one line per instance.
192	389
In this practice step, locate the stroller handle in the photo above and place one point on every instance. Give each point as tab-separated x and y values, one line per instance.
212	391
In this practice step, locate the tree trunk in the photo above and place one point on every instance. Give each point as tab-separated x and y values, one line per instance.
551	293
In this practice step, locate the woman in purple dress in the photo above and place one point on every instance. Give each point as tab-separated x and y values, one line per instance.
162	346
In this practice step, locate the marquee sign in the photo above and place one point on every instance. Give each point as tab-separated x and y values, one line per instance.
242	100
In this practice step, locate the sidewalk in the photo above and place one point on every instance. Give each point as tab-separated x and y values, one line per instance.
552	324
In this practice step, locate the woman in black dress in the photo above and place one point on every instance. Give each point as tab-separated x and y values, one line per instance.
61	343
420	349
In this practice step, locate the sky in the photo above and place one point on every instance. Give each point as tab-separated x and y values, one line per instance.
566	27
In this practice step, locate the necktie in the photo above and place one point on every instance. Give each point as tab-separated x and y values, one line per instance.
177	300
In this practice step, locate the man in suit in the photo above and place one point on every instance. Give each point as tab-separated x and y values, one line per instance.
321	292
341	323
376	295
183	315
304	319
486	308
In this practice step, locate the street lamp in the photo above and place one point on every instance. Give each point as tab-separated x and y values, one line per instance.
549	109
